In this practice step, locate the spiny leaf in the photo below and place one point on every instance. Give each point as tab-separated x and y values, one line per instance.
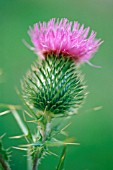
9	106
51	153
62	158
4	153
20	122
54	142
5	112
59	130
19	148
17	137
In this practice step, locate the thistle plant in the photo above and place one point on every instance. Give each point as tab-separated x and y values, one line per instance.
4	156
53	88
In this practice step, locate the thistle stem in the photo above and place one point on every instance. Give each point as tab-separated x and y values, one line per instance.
29	161
35	162
39	153
37	158
24	130
4	164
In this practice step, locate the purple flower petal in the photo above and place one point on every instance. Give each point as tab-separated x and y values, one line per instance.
64	37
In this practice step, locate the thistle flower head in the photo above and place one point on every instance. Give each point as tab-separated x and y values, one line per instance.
55	86
64	37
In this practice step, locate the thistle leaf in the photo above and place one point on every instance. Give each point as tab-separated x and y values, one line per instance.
19	148
4	156
55	142
20	122
62	158
5	112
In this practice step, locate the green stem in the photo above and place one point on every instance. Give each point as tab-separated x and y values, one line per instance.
25	131
35	162
29	161
39	153
4	164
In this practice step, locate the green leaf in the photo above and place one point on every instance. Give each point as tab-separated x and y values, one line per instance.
62	158
4	156
9	106
20	122
4	112
55	142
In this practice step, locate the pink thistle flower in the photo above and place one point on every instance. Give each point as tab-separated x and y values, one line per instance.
64	37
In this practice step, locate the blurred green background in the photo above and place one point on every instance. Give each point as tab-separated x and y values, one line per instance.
93	126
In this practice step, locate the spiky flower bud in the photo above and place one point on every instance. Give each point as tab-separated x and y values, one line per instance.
54	86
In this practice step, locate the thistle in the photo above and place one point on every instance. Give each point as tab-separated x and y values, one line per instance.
4	156
53	87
